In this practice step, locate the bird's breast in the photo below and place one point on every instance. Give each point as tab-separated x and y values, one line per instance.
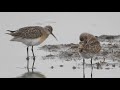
34	42
43	38
87	55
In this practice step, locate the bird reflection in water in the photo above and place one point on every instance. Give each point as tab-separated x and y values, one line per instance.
32	75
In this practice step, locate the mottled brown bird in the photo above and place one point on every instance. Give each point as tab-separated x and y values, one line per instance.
89	46
31	36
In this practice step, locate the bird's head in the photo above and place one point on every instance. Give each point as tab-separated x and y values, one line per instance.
49	30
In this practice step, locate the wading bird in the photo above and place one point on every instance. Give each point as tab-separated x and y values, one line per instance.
89	46
31	36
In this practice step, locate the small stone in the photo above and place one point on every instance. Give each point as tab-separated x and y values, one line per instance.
107	68
61	65
51	67
73	67
113	65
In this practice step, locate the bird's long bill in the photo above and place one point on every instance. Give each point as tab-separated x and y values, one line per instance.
54	36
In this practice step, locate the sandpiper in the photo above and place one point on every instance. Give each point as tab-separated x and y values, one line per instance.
31	36
89	46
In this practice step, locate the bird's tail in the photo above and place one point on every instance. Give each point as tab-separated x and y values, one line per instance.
10	32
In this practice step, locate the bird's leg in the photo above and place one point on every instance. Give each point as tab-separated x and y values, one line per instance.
83	68
27	59
104	59
33	59
91	68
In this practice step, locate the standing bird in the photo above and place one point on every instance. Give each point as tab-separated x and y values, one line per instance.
89	46
31	36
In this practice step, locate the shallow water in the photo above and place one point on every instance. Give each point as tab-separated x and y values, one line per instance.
53	68
52	64
13	54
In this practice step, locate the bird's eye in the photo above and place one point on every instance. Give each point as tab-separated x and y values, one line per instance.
81	39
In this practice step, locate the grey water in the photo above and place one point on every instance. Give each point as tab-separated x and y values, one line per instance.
68	27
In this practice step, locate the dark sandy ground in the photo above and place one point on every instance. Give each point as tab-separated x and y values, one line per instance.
108	58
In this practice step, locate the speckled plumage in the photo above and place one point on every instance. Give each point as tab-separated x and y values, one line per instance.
89	45
31	35
86	37
30	32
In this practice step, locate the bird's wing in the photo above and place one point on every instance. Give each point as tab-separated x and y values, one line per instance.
29	32
95	46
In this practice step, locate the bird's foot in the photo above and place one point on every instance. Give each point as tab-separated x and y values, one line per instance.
27	58
33	69
28	68
34	57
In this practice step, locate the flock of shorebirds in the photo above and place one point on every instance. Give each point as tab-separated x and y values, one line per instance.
32	36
